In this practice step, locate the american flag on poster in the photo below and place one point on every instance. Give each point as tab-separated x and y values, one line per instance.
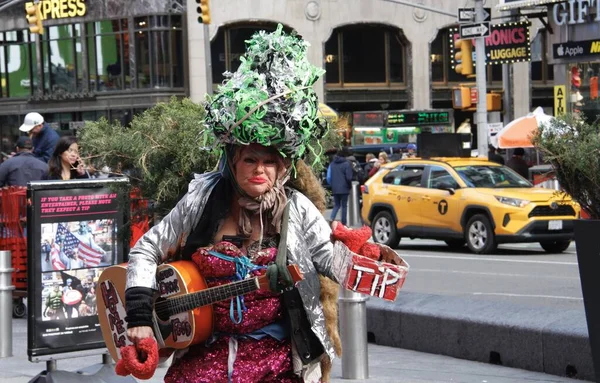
90	256
57	264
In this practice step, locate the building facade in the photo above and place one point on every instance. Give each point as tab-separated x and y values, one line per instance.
104	58
115	58
378	55
574	48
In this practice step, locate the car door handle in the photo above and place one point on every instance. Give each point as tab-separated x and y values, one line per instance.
425	198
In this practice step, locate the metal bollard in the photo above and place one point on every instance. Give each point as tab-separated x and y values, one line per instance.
6	309
354	219
353	331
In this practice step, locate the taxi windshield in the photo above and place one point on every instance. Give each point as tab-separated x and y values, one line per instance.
485	176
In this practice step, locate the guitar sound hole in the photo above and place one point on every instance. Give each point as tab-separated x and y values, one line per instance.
161	313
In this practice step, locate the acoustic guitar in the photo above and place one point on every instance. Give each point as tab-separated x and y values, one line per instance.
182	314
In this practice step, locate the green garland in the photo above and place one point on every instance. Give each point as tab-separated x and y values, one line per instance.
269	100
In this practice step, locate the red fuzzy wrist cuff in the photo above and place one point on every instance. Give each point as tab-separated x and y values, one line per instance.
140	361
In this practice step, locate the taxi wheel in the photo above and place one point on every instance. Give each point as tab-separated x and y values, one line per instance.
555	246
480	235
384	229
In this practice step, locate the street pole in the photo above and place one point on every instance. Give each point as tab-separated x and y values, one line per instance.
481	119
208	60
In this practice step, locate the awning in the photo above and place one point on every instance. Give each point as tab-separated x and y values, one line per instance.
506	5
328	113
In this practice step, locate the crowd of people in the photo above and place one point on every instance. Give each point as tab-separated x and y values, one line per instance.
42	154
345	168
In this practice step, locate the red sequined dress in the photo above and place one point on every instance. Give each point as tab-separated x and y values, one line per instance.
250	342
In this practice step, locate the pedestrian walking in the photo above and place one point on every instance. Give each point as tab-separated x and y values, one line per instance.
494	156
381	160
518	164
44	138
23	166
341	175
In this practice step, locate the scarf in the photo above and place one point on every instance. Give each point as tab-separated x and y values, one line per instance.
272	202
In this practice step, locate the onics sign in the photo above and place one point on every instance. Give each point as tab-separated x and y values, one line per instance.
60	9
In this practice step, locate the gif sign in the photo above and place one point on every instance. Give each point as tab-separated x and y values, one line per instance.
559	100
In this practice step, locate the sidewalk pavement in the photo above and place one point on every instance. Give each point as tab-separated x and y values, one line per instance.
386	365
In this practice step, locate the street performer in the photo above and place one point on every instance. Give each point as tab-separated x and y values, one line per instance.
232	221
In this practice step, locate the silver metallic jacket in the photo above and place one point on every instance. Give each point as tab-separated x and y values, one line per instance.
308	243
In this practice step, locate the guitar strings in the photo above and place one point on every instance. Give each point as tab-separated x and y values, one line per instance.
191	301
188	302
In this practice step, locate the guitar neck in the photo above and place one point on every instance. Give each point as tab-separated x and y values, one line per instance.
206	297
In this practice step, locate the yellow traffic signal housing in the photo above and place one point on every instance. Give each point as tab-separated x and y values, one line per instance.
34	18
464	54
461	97
203	11
494	102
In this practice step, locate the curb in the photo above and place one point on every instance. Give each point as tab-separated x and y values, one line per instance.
534	339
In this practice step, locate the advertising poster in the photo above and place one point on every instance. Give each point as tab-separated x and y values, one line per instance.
75	231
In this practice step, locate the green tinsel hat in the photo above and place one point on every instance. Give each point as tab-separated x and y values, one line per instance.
270	99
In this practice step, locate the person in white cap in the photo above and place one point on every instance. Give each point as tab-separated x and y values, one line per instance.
43	136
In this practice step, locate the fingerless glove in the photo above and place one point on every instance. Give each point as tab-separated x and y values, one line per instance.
138	304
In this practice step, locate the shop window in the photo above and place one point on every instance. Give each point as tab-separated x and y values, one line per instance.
16	64
60	63
582	90
108	55
230	44
541	71
363	55
177	57
123	116
366	54
436	57
3	74
496	73
142	53
332	65
61	122
159	51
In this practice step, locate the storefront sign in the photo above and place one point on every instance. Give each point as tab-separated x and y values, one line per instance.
505	5
573	49
508	43
576	12
559	100
418	118
73	230
61	9
374	119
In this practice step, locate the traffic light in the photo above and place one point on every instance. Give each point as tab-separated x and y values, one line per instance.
464	54
203	11
34	17
461	97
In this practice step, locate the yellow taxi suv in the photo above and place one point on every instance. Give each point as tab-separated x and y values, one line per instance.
462	201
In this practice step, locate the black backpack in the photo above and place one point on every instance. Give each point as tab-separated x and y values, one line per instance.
358	173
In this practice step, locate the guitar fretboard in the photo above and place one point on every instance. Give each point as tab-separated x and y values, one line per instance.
205	297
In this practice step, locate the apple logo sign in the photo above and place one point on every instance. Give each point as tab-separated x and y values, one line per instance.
560	50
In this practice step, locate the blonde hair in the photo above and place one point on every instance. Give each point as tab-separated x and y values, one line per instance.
384	155
307	183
